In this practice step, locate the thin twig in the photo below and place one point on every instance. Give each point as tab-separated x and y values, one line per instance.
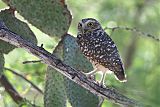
33	61
133	30
32	84
74	75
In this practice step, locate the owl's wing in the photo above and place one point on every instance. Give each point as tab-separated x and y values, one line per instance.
109	56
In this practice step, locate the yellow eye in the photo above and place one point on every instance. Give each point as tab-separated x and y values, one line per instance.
90	24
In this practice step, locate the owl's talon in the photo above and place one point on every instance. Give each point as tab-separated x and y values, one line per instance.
101	84
89	76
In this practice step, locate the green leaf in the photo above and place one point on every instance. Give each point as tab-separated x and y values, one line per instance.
1	63
18	27
54	95
50	16
78	96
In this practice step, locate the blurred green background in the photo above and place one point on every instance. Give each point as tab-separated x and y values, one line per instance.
140	54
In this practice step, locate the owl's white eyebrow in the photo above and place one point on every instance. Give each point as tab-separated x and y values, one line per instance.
89	21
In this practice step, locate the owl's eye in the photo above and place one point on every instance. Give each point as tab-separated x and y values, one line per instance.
90	24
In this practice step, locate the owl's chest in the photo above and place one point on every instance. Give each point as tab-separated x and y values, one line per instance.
90	45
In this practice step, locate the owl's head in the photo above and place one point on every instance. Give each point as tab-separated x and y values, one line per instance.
88	24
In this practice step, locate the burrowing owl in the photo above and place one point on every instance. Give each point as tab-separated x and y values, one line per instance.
99	48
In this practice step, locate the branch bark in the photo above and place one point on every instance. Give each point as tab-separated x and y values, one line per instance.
74	75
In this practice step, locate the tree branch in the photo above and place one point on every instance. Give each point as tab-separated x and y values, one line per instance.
13	93
10	90
75	75
32	84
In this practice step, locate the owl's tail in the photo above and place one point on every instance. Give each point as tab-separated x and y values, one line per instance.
122	78
120	75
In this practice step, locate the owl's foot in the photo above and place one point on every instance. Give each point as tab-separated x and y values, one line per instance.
102	81
90	75
101	84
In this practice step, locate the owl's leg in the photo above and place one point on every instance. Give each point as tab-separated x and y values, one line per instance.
89	74
101	83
